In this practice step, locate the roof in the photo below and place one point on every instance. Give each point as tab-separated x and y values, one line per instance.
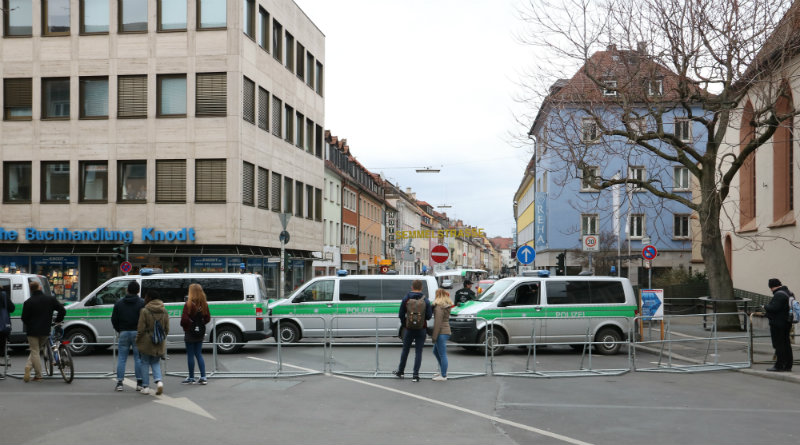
501	243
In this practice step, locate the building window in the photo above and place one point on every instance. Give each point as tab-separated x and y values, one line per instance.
639	126
783	164
277	109
249	20
681	179
94	97
94	17
636	173
301	57
636	225
94	181
681	227
171	180
171	95
298	199
683	129
211	94
610	88
55	181
589	178
309	202
132	181
287	195
309	70
319	79
263	188
263	29
318	205
212	14
18	18
55	14
209	180
172	15
277	41
276	192
17	182
588	224
131	97
289	52
299	139
55	98
132	16
248	179
588	130
289	130
263	109
17	99
248	100
655	87
747	174
318	142
309	136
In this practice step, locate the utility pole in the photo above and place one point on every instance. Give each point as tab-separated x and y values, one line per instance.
284	238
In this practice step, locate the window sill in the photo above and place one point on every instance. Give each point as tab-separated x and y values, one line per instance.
16	201
21	36
66	34
750	226
784	221
167	31
66	201
681	238
18	119
222	28
45	119
133	32
132	201
170	116
104	33
93	118
99	201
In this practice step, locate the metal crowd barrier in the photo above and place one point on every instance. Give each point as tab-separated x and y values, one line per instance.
672	352
585	367
377	372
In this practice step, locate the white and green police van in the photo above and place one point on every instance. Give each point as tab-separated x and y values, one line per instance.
238	304
568	306
350	306
18	287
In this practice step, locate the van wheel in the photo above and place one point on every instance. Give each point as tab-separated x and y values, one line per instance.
80	341
496	341
608	341
289	332
229	340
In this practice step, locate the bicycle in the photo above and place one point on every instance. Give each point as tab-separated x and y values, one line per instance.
56	353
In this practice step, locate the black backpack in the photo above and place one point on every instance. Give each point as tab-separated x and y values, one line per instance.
198	326
415	313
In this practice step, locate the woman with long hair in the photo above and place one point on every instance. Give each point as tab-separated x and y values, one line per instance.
194	319
150	353
441	331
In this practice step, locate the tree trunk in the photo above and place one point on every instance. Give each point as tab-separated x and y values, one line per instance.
719	277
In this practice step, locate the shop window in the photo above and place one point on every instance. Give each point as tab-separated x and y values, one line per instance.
55	98
17	182
171	180
211	97
172	15
211	14
131	97
94	181
210	180
55	17
55	182
94	16
18	18
132	16
132	181
171	95
94	97
17	99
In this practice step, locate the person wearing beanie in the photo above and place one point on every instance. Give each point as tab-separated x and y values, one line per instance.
779	325
125	319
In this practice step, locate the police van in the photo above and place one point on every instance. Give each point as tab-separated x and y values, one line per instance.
18	287
238	304
570	307
350	306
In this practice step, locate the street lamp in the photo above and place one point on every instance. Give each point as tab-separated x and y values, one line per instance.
428	170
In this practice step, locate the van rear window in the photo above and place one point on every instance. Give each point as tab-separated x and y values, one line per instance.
585	292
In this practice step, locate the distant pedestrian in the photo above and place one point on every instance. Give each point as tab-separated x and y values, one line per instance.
441	331
194	319
125	319
779	325
415	310
466	293
6	309
150	353
37	318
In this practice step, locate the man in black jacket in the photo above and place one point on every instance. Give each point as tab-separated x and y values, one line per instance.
779	325
37	315
416	336
466	293
125	319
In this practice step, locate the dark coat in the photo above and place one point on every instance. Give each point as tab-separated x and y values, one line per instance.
8	305
152	311
778	307
187	324
415	295
125	315
37	314
463	295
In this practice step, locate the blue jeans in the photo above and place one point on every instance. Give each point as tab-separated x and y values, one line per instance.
195	350
417	336
150	361
440	352
127	340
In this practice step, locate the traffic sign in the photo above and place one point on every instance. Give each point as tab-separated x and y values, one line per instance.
125	266
649	252
652	304
284	237
590	243
526	254
440	253
384	269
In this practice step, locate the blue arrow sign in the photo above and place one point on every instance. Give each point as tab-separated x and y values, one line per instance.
526	254
650	305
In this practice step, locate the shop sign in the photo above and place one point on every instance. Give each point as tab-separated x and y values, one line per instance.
64	261
207	262
147	234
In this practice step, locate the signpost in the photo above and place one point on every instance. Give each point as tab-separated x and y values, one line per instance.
590	243
284	238
649	253
526	254
440	253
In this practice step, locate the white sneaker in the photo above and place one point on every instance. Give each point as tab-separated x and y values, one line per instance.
436	375
146	391
439	378
159	388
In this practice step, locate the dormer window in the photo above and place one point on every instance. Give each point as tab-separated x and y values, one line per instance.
655	87
610	88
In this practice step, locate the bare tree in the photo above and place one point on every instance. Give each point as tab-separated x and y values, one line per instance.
720	64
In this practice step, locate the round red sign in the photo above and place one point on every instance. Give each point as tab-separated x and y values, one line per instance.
440	254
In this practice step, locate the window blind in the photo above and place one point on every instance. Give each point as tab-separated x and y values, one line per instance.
211	94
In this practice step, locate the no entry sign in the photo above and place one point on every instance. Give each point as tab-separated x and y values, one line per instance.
440	254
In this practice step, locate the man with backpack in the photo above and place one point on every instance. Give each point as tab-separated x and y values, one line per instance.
415	310
125	319
778	313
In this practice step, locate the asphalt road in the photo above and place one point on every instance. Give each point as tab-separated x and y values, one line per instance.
724	407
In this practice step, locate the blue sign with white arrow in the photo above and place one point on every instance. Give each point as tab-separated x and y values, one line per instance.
652	304
526	254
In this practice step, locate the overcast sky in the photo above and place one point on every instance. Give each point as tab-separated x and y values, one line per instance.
421	83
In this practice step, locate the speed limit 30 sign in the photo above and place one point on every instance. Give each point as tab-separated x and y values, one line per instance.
590	243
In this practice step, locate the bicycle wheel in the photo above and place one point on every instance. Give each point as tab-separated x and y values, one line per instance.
46	356
65	364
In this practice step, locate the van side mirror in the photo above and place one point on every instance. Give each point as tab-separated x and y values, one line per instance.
506	301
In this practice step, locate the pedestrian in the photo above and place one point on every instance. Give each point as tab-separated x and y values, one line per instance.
150	353
779	325
37	318
125	319
194	319
465	293
413	308
6	309
442	305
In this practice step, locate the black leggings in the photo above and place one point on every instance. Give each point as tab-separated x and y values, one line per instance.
3	340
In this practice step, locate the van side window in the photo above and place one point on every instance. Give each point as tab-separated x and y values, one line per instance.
170	290
607	292
220	289
568	292
318	291
348	290
112	292
526	295
396	289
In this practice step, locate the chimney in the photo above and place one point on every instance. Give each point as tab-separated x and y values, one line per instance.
611	47
641	47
